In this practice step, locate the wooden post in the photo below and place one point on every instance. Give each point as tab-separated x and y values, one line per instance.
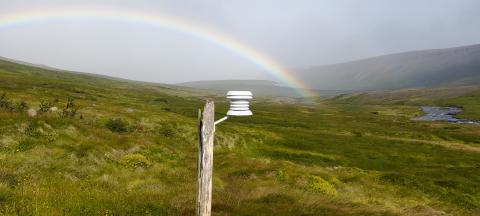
205	159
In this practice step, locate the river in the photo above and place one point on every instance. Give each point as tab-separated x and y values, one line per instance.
444	114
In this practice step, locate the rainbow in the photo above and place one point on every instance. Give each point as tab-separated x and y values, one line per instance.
175	24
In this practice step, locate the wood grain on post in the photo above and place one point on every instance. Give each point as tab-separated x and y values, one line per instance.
205	159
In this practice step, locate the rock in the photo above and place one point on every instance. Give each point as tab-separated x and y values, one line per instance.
32	112
54	109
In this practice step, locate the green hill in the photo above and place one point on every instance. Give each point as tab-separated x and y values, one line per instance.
118	147
416	69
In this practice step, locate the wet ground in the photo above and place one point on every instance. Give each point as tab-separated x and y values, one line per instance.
444	114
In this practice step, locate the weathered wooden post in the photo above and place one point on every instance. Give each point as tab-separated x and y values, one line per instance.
205	159
239	106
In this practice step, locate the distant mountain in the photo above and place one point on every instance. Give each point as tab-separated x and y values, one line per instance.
428	68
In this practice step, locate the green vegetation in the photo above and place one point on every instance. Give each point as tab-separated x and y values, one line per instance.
10	106
130	148
116	125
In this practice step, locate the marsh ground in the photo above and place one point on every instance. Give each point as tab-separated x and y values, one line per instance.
132	147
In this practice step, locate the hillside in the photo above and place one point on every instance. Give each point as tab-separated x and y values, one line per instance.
262	88
258	87
29	64
428	68
117	147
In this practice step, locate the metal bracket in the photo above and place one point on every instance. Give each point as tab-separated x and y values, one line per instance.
221	120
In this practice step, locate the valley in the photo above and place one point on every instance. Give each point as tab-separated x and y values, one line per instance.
131	148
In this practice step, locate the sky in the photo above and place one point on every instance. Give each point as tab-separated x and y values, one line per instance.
295	34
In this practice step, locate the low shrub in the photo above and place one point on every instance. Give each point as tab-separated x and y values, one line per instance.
44	106
70	110
11	106
320	185
135	161
4	102
117	125
167	130
21	106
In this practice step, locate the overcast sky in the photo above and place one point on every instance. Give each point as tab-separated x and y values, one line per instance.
297	34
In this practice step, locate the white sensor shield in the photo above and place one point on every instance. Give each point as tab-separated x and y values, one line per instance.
239	103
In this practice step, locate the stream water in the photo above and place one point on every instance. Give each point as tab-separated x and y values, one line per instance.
444	114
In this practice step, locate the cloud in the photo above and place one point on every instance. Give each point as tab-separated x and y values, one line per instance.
297	34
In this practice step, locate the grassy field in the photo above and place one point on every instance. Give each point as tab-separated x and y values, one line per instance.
130	149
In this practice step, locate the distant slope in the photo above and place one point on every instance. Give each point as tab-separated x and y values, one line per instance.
217	88
429	68
23	75
258	87
417	96
264	88
29	64
48	69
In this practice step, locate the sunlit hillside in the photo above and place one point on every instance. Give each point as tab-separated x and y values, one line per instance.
77	144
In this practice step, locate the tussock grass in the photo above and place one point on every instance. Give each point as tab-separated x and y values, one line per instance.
341	156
